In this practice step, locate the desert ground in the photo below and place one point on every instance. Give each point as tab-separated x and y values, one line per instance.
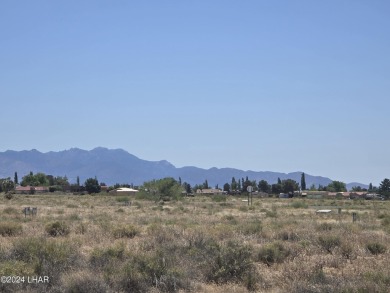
105	243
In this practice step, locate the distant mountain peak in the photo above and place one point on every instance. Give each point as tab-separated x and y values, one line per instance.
118	166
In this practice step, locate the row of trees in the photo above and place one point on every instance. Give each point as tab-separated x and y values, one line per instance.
171	186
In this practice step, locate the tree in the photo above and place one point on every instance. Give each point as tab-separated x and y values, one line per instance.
357	188
166	188
264	186
78	181
226	187
92	185
245	184
303	182
336	186
384	187
279	181
233	186
289	186
7	185
370	187
205	185
187	187
16	178
38	179
276	188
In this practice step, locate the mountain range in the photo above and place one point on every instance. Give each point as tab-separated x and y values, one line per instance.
118	166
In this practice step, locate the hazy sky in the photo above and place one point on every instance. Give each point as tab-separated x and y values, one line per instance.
256	85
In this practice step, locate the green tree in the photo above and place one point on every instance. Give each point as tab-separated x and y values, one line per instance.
384	187
38	179
276	188
62	181
370	187
92	185
226	187
303	182
336	186
245	184
7	184
264	186
166	188
357	188
289	186
78	181
205	185
233	186
187	187
279	181
50	179
16	181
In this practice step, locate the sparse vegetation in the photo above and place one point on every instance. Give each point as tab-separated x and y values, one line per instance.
57	229
376	248
194	244
10	229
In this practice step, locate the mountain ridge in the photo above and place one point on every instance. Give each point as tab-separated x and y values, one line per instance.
119	166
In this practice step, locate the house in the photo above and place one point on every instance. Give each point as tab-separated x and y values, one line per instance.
31	189
209	191
357	194
124	191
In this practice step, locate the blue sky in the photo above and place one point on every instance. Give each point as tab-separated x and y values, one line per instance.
256	85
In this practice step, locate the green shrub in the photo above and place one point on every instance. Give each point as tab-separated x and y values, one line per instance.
288	236
47	257
376	248
329	242
10	229
218	198
385	220
299	205
15	268
101	257
231	263
231	219
125	231
122	199
273	253
84	282
251	228
57	229
324	227
346	250
269	214
157	269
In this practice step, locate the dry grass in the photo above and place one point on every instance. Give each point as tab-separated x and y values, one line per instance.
196	244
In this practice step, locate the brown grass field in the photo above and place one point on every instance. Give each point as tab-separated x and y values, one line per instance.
197	244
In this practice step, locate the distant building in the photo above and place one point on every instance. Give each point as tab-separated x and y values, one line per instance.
31	189
124	191
209	191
